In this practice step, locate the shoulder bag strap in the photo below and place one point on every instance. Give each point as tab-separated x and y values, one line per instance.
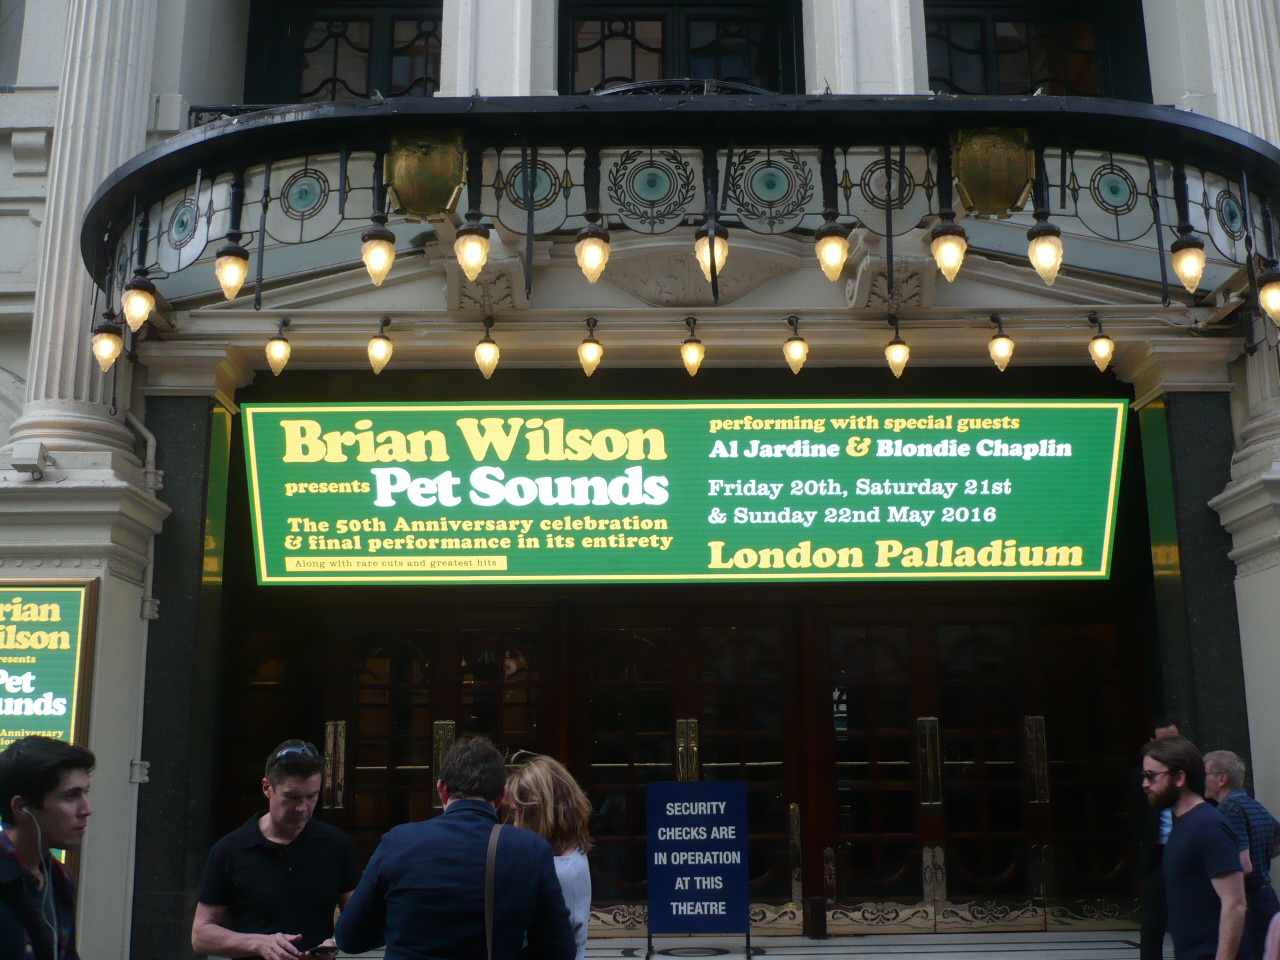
490	878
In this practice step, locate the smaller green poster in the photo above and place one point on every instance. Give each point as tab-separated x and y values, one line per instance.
42	631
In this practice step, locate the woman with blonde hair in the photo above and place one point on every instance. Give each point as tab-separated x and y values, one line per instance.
543	797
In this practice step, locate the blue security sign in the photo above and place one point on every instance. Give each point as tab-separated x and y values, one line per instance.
698	857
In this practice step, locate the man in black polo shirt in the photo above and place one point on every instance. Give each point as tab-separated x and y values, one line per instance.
271	887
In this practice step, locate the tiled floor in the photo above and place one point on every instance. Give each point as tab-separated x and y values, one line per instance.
1119	945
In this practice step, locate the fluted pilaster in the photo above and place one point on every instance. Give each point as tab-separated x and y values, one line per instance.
1244	37
101	122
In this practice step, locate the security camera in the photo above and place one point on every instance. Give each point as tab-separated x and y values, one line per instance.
30	456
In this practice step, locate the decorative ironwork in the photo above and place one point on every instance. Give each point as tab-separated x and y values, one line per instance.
651	190
769	190
335	58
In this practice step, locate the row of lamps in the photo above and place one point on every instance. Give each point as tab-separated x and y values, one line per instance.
795	350
948	244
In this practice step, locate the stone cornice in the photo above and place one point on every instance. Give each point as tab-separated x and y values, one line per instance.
194	369
1157	367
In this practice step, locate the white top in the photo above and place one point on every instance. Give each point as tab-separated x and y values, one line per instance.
575	883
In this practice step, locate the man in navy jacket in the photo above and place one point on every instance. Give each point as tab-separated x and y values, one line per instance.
423	892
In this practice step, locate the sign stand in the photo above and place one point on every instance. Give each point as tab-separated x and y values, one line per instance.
697	852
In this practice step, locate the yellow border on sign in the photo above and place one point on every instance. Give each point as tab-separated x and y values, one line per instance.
1119	406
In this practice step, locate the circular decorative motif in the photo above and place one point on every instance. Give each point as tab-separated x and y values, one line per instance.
304	194
1230	214
770	192
1113	190
874	181
769	183
651	182
651	190
182	223
546	185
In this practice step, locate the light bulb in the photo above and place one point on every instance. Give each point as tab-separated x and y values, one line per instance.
897	353
1001	350
592	250
487	356
278	351
378	253
472	249
1188	261
1269	294
692	352
796	351
948	248
831	245
590	353
231	268
1045	250
137	301
107	344
380	350
1101	348
702	250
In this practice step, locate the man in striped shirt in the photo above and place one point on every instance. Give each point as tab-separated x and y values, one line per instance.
1257	834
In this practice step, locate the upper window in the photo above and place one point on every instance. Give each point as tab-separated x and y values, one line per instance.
1085	49
606	45
305	52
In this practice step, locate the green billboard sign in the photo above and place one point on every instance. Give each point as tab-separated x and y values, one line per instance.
43	657
675	490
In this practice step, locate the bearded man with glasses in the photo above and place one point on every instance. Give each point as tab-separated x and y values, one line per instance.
271	886
1203	879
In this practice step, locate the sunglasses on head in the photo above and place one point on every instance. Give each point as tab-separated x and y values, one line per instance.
295	750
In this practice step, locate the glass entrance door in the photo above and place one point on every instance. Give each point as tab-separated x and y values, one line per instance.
644	676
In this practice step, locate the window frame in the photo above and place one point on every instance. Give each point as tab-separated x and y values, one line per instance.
675	17
1124	71
273	61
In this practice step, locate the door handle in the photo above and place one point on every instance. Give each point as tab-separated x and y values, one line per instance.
334	785
688	767
929	757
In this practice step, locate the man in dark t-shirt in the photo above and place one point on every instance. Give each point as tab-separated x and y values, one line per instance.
1203	878
271	886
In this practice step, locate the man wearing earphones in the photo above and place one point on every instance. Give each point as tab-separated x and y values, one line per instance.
44	805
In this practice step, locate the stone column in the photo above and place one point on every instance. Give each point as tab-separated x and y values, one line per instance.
501	48
869	47
1249	508
102	117
1243	38
94	512
1183	394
